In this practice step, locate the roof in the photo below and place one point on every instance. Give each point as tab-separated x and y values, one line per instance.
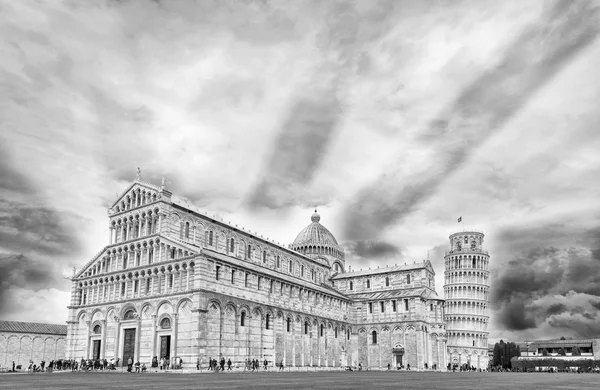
315	234
402	293
394	268
274	274
32	327
533	345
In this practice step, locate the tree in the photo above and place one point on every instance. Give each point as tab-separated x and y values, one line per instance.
576	351
562	352
503	352
544	352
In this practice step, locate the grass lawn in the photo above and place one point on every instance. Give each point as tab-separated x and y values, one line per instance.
305	380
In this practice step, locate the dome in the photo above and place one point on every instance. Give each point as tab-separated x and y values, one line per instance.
316	239
315	234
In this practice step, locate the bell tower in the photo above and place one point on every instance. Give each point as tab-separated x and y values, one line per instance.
466	290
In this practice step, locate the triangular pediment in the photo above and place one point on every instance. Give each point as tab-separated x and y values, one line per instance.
145	189
429	267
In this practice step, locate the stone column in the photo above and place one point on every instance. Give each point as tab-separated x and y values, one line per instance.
103	339
139	228
87	339
159	223
138	336
153	348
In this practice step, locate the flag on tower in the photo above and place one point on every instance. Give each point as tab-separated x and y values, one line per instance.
459	219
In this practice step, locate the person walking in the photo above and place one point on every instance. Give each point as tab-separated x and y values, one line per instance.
281	365
229	364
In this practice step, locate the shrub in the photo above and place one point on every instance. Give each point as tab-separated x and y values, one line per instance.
576	351
561	364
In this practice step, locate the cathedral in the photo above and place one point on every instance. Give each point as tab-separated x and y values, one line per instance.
175	283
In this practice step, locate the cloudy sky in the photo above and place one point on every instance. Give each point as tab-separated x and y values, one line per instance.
393	117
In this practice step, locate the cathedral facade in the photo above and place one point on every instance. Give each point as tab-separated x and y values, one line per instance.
175	283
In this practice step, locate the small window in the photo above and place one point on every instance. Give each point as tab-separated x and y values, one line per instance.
217	270
335	330
302	271
289	324
370	307
173	253
431	306
258	282
322	329
382	305
232	276
267	321
187	230
351	286
271	287
473	342
291	267
406	304
306	327
231	245
123	288
249	252
135	286
170	280
368	283
407	279
243	319
348	334
97	329
246	280
165	323
394	306
374	336
210	238
278	263
147	285
474	263
387	281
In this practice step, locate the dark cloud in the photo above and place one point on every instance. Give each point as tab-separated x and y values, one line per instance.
550	286
556	308
21	271
297	152
517	317
25	228
366	250
479	111
595	304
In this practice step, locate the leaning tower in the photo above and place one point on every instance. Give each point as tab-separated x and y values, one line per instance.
466	290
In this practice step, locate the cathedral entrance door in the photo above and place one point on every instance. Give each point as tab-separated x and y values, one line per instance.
398	360
128	345
96	350
165	347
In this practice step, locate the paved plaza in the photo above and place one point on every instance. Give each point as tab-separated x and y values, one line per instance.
319	380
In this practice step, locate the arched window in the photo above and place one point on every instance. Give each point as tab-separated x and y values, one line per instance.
173	253
289	324
348	334
336	332
267	321
97	329
374	336
165	323
305	327
231	245
129	315
249	252
322	329
210	238
387	281
243	319
466	240
187	230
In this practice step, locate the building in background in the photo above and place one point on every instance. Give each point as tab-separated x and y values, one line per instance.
573	349
174	282
467	289
21	342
